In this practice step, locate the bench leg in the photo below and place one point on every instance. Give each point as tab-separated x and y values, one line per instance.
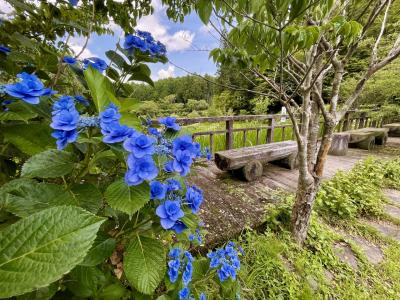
367	144
289	162
381	140
252	170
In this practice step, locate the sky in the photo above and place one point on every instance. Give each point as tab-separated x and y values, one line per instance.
187	43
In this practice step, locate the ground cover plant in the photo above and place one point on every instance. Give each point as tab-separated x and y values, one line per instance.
94	202
277	268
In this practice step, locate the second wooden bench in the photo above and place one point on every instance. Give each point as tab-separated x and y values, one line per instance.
249	160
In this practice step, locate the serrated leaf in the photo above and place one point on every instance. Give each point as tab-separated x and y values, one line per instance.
24	197
40	249
102	248
116	58
144	263
128	199
88	196
85	281
49	164
44	293
30	138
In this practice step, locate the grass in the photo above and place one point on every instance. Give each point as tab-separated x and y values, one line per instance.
274	267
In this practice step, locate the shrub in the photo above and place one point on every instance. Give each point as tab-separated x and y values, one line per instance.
109	213
358	192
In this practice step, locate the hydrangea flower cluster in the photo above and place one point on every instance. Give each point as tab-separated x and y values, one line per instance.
181	263
95	62
28	89
112	130
226	261
144	42
65	120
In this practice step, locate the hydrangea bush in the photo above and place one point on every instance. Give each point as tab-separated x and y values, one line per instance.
95	203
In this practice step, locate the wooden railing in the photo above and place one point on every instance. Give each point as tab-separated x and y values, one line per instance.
352	120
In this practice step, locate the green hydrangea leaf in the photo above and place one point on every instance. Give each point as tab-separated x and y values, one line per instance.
85	281
128	199
40	249
87	196
49	164
144	263
102	248
23	197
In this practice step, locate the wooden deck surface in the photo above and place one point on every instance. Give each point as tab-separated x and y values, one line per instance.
231	204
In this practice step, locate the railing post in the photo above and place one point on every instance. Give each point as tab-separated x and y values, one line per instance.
346	122
271	130
229	135
362	120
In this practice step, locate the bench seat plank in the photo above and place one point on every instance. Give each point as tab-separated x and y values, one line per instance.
394	129
238	158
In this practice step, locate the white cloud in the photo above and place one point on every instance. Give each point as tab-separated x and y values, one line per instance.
5	8
76	43
166	73
176	41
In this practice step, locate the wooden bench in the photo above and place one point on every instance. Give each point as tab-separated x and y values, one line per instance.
249	161
394	129
367	138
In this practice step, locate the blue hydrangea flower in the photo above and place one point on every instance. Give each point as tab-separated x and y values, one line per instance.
158	190
226	271
170	123
134	42
117	133
157	49
208	154
29	89
194	198
69	60
140	169
173	270
110	114
173	185
145	35
179	227
154	131
64	137
63	103
140	145
184	293
65	120
169	212
227	260
4	49
184	143
73	2
203	296
96	63
82	100
174	252
182	162
187	274
169	166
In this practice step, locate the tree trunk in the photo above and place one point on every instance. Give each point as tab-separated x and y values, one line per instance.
301	213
